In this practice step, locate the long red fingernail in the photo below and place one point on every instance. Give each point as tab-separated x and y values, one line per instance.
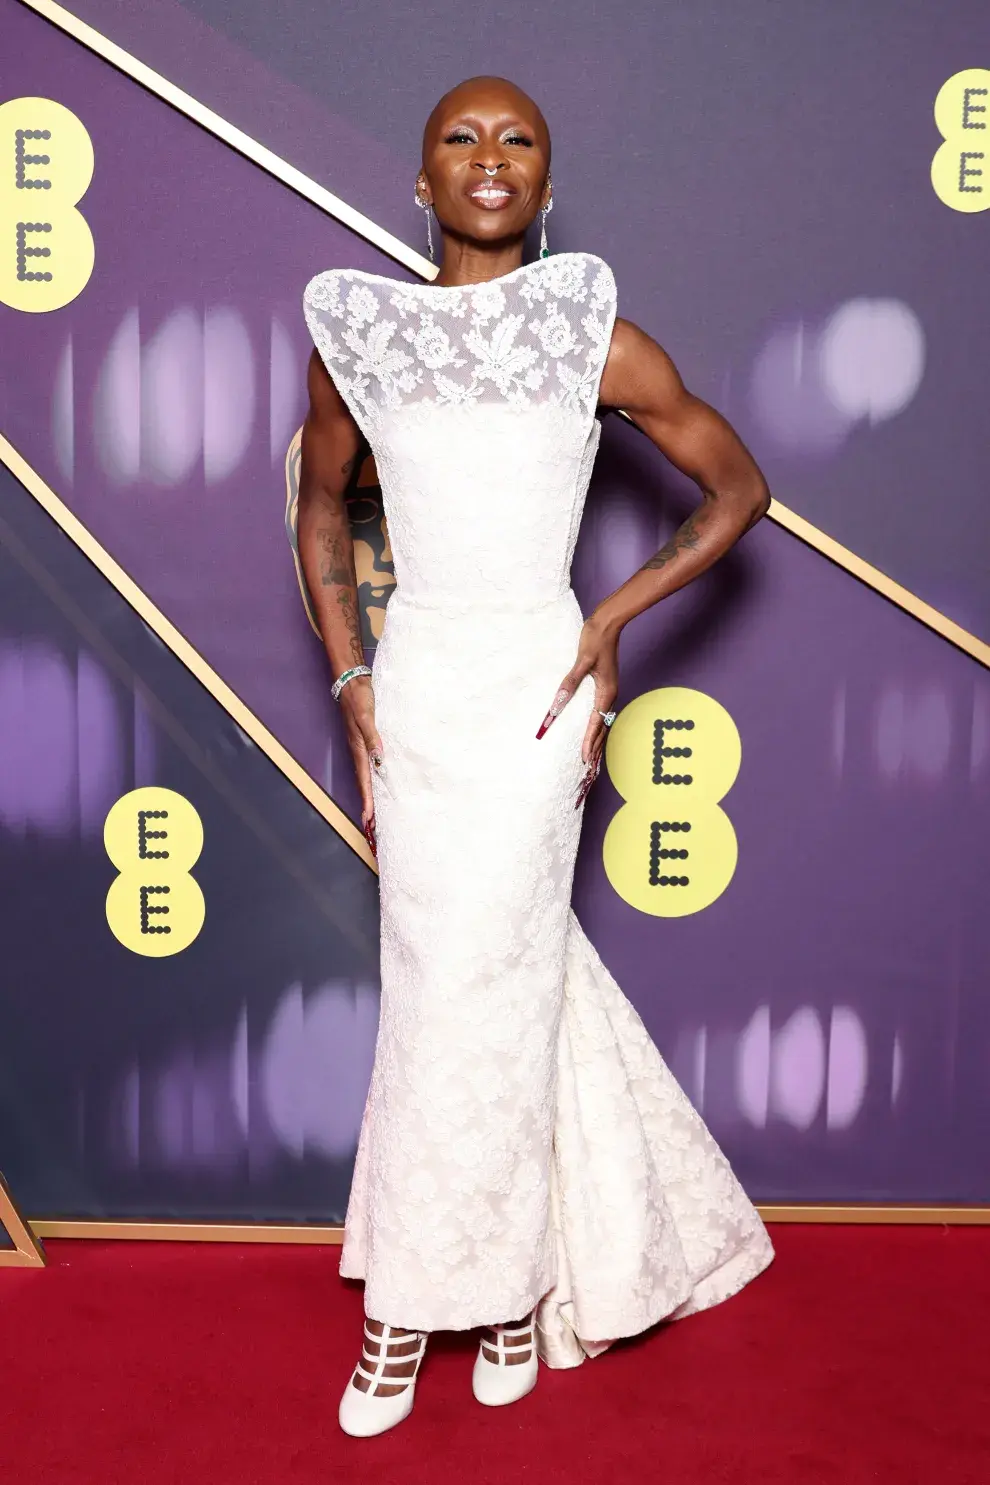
559	702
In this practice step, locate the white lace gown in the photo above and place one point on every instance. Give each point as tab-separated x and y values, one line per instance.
523	1142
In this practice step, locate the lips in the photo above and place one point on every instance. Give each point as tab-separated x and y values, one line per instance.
492	195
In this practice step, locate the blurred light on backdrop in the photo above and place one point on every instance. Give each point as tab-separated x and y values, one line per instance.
790	1074
318	1042
811	384
65	752
182	401
912	734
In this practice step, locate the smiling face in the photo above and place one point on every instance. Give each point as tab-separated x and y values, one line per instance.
486	161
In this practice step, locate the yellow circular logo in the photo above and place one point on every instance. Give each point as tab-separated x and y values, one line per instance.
670	850
154	837
961	167
48	248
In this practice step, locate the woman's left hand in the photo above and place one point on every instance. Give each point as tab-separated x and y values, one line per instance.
598	656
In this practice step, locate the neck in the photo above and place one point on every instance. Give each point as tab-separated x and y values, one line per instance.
467	262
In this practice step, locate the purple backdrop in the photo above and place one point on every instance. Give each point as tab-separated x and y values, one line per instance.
757	174
826	1012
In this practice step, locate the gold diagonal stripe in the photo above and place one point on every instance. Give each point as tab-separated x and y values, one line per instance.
319	891
27	1252
184	651
880	582
297	181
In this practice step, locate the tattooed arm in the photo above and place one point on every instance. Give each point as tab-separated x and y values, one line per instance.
332	446
640	378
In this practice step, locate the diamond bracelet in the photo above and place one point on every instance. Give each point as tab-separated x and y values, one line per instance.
348	675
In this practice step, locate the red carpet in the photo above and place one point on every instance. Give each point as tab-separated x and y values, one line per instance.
861	1356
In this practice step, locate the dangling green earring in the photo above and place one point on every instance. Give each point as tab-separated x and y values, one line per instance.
544	250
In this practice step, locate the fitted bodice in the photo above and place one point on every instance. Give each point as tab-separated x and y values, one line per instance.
478	403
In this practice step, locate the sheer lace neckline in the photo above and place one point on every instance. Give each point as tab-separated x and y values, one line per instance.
487	283
534	337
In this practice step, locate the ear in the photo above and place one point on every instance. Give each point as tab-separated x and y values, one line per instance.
423	193
547	201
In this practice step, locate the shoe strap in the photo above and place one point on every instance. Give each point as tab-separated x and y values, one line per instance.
383	1359
380	1379
390	1336
503	1333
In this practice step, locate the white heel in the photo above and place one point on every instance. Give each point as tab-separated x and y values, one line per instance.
364	1414
496	1380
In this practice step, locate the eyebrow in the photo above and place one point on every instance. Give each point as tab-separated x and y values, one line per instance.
476	123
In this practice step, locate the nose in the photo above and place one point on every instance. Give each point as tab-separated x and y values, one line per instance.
491	165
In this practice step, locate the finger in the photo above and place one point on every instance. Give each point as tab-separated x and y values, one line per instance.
362	768
565	691
586	779
591	772
371	738
593	737
596	735
587	782
561	699
594	765
371	837
370	744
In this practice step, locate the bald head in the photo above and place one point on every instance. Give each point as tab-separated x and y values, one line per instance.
485	95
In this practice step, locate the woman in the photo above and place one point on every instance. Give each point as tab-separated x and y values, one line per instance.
526	1162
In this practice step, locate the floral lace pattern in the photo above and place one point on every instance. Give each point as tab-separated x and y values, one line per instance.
541	332
523	1143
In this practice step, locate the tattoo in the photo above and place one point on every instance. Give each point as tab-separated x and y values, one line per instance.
337	571
334	567
349	614
685	538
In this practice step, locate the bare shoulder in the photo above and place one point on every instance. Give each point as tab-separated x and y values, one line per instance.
638	371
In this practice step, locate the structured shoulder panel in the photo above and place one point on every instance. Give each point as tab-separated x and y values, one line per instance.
538	335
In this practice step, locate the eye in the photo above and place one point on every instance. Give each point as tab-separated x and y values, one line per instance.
460	136
517	137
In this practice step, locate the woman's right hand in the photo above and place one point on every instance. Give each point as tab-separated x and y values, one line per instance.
357	701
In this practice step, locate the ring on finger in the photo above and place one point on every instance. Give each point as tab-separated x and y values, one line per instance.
607	717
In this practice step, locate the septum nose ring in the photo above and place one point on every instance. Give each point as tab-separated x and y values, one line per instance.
494	171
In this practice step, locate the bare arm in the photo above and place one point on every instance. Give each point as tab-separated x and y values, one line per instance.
641	379
331	447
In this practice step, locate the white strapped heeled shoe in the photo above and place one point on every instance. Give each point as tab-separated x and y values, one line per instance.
364	1414
497	1379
